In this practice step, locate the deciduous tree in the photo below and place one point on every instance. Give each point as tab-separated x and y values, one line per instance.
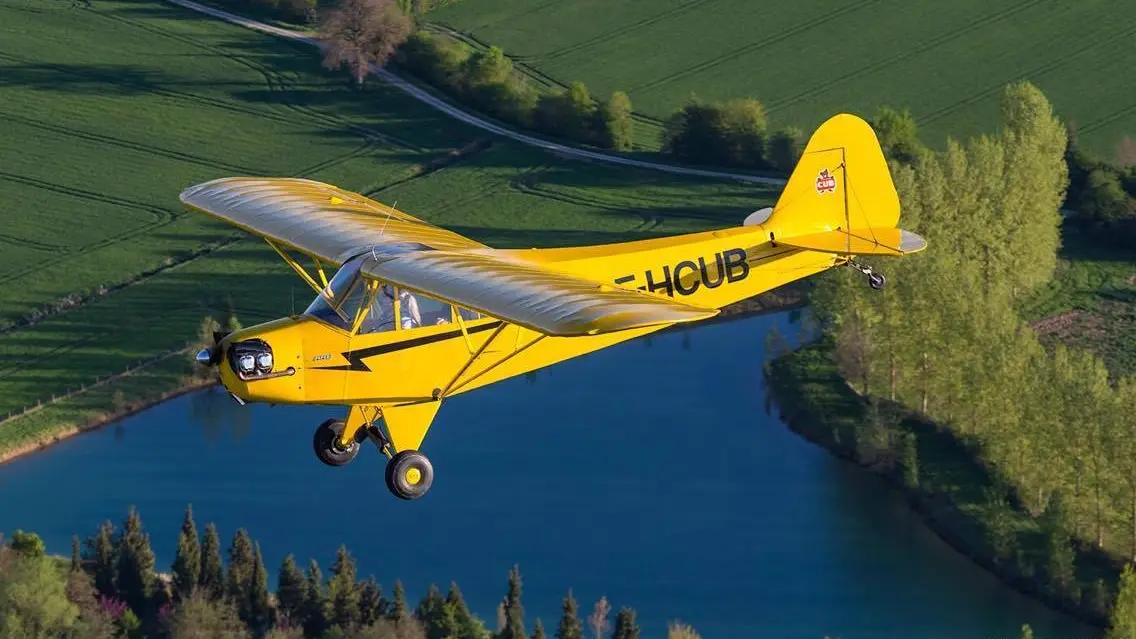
362	33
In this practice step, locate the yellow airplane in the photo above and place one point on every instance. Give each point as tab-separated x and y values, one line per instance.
416	314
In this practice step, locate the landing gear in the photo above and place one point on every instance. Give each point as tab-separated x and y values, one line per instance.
875	280
409	474
327	446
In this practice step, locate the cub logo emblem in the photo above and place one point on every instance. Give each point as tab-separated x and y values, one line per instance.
826	182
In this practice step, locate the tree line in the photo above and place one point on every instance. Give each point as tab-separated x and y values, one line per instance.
112	589
945	339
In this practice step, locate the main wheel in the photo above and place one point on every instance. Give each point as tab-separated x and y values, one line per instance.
327	447
876	281
409	474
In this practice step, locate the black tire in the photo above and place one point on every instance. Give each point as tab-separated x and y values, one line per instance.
409	475
326	444
876	281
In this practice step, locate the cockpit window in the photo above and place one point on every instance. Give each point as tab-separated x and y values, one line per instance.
338	303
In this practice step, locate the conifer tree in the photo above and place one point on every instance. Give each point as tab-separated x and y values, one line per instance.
259	610
625	625
538	630
1027	632
212	570
315	604
598	619
1122	623
291	591
186	568
514	612
135	565
398	610
570	627
372	607
431	612
106	551
470	627
342	595
240	571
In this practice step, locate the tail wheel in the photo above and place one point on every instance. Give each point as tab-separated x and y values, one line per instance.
327	446
409	474
876	281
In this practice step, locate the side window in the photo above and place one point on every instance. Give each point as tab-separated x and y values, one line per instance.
468	315
414	311
431	312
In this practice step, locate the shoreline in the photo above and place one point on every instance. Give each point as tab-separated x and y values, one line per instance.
768	302
938	512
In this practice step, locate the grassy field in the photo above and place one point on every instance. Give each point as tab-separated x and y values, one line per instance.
109	112
806	60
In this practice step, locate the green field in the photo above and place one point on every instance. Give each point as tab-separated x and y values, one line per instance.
109	112
806	60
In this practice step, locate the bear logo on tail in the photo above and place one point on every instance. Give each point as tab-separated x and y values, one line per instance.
825	182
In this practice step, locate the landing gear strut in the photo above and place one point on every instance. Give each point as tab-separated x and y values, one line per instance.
409	473
875	280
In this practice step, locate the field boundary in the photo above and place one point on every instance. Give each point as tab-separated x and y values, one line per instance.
471	119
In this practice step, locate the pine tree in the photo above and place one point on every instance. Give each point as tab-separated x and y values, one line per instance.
431	612
186	568
514	612
343	596
291	591
1027	632
625	625
135	565
570	627
1122	623
260	612
469	626
106	551
212	570
315	604
398	609
598	619
372	606
538	630
240	572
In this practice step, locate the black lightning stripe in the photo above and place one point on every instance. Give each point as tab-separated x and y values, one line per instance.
356	357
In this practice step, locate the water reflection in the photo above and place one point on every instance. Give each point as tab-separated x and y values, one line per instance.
213	409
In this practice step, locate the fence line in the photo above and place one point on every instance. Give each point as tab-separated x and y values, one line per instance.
99	381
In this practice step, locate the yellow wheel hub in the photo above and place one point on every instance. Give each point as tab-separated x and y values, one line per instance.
413	476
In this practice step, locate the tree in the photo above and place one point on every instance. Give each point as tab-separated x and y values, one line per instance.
198	617
27	544
241	566
569	627
1122	622
538	630
315	605
398	609
785	149
625	625
291	591
135	574
1027	632
76	558
93	622
186	568
105	551
431	613
897	133
259	609
598	619
342	595
33	600
372	606
469	626
212	571
514	611
679	630
362	33
612	124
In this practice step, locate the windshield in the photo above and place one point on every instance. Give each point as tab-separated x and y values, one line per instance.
338	303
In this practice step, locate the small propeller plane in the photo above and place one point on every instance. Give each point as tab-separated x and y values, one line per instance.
415	314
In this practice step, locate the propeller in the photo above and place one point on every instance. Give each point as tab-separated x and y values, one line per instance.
212	356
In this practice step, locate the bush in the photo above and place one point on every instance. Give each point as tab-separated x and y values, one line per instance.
731	133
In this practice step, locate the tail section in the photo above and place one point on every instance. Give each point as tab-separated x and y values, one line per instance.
840	198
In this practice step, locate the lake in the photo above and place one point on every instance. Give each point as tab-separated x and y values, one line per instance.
649	472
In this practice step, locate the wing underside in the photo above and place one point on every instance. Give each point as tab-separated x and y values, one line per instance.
317	219
529	295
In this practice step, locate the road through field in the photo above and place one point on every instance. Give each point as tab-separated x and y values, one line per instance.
473	120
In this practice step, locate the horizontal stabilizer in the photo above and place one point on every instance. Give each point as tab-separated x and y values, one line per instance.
859	242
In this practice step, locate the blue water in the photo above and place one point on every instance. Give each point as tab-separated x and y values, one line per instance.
649	472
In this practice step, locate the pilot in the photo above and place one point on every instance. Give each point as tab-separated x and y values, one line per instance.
383	309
